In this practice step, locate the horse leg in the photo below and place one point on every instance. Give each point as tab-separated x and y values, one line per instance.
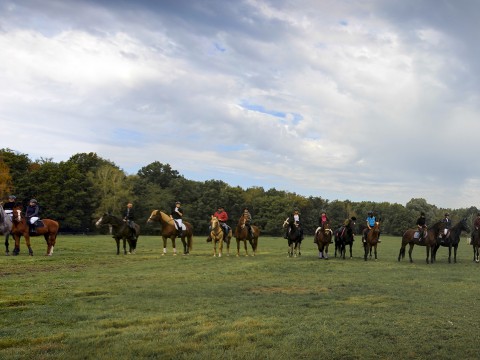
29	246
411	245
300	248
16	248
164	245
428	253
185	245
449	254
117	240
351	256
375	252
238	247
174	245
124	246
220	247
214	241
455	254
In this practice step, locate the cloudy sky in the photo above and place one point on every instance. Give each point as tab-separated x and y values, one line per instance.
345	99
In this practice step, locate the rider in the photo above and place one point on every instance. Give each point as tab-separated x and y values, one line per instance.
448	224
476	225
177	215
31	213
222	217
129	217
248	220
8	207
422	226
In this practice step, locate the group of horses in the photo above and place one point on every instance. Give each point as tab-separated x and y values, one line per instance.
18	226
433	237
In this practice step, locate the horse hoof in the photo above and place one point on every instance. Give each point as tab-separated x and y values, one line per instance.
174	254
7	253
219	255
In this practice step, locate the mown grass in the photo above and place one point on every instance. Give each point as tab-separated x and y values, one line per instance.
85	302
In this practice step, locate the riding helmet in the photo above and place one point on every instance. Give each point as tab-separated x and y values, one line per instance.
12	197
33	201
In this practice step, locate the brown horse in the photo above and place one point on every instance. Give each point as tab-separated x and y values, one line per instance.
294	237
475	242
371	240
217	234
46	227
429	240
242	234
323	238
169	231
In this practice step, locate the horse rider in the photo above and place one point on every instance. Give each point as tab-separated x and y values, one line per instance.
322	220
422	226
129	218
296	220
177	216
448	224
371	220
31	213
8	207
248	221
222	217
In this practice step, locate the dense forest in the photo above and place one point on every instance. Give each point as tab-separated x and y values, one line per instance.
78	191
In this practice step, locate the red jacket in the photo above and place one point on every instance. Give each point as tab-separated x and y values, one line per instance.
222	216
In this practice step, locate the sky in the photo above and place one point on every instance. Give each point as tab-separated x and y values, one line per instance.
371	100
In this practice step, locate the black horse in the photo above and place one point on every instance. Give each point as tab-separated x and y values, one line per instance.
294	237
344	236
121	230
452	240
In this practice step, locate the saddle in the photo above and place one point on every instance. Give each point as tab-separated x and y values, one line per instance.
39	223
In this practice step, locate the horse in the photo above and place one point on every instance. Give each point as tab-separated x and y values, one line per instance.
323	237
452	240
121	230
475	242
294	237
169	231
5	227
344	236
371	240
217	234
242	234
430	240
46	227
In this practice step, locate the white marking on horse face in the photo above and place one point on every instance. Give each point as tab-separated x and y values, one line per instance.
99	221
19	215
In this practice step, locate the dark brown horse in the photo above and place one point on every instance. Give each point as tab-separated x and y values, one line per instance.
169	231
217	234
46	227
294	237
475	242
452	240
412	238
323	237
242	234
121	230
371	240
345	235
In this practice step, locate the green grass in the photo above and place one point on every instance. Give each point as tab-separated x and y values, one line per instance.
85	302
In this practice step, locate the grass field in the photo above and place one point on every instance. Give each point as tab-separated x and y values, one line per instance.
85	302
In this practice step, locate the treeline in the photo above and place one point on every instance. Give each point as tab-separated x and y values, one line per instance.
78	191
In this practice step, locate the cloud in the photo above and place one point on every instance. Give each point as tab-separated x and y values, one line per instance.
345	100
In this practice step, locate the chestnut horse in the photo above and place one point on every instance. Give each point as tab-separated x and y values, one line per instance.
169	231
371	240
294	237
5	227
429	241
323	237
217	234
120	230
452	240
475	242
242	234
46	227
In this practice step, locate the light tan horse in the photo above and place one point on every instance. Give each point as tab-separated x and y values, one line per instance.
217	234
169	231
242	234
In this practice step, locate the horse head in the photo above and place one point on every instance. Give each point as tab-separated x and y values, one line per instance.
153	216
17	213
214	223
464	226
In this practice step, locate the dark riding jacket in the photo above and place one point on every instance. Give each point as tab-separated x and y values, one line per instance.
129	214
32	211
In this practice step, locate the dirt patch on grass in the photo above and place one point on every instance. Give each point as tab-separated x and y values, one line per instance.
287	290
